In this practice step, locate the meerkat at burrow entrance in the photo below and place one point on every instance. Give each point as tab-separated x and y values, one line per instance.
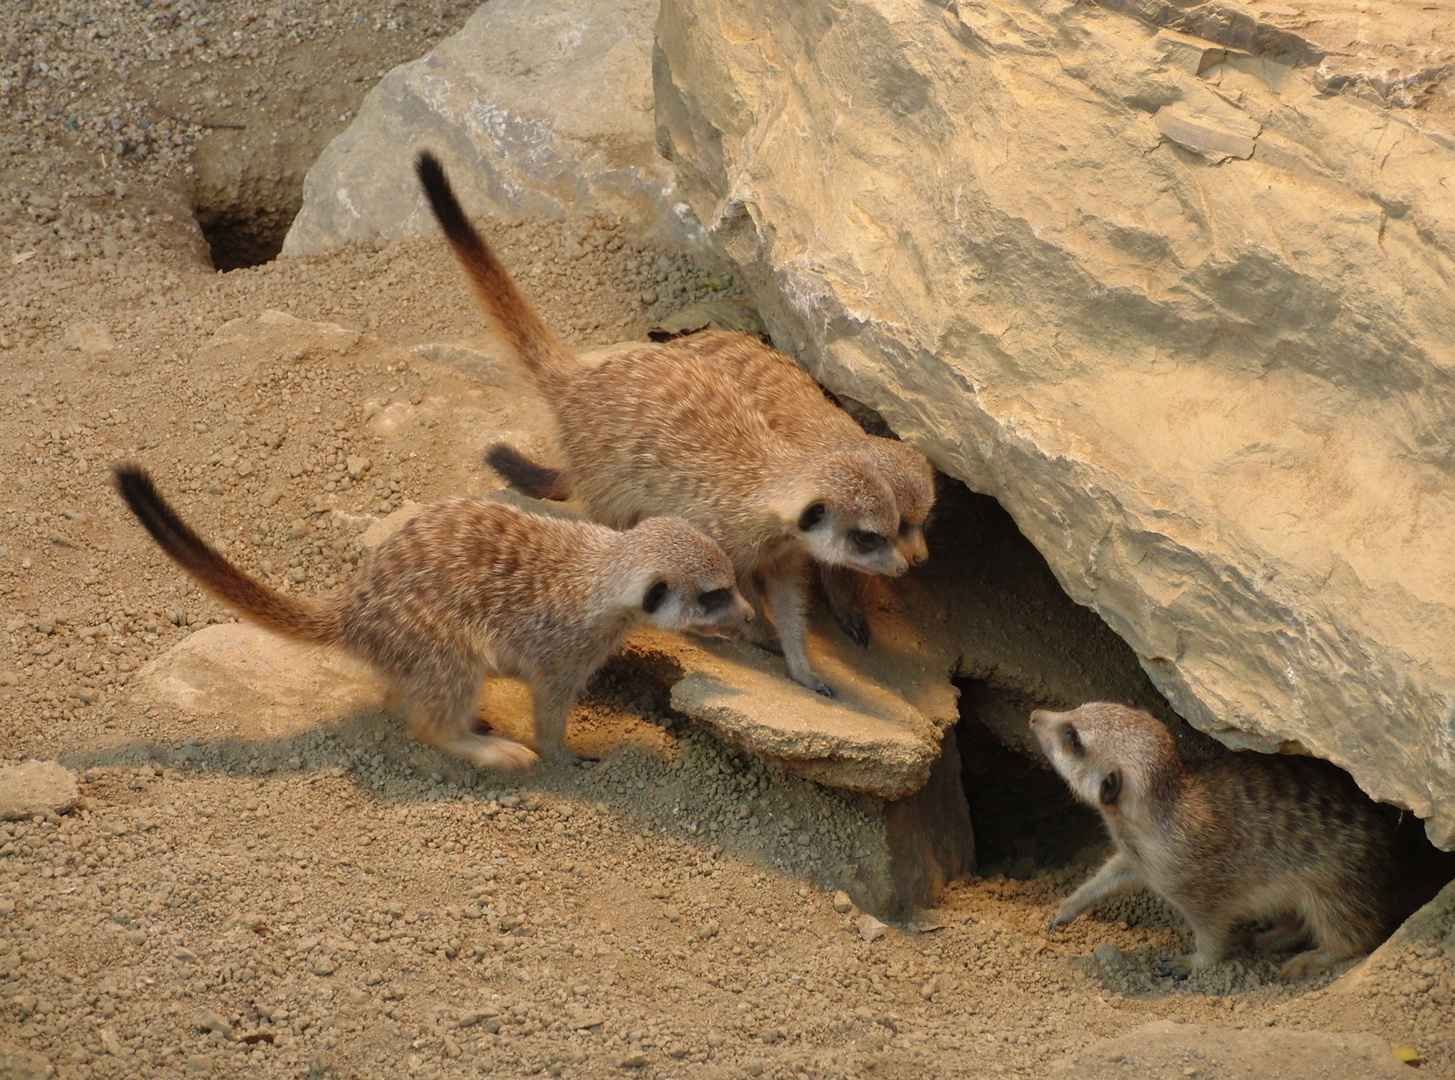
1243	838
469	588
796	408
649	432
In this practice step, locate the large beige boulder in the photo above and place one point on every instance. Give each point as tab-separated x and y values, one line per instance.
1187	312
535	109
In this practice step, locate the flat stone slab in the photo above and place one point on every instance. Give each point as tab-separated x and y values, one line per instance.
1167	1048
36	787
869	739
261	684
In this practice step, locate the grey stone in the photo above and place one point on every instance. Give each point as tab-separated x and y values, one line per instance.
36	787
534	110
1230	444
1109	956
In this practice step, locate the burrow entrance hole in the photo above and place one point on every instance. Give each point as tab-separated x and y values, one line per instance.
239	236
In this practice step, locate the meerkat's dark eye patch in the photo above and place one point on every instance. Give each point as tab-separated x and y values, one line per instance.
811	516
907	527
1111	788
866	543
655	595
1072	739
715	600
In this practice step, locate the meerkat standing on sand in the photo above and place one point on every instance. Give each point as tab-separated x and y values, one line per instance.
468	588
1242	838
797	409
651	432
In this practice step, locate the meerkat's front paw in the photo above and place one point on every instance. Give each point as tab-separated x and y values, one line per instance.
1065	914
760	633
493	752
1176	968
559	755
1306	963
817	685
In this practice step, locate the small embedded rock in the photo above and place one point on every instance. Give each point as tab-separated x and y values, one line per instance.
870	928
90	338
36	787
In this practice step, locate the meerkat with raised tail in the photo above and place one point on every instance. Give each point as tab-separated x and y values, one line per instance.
649	432
469	588
797	409
1241	838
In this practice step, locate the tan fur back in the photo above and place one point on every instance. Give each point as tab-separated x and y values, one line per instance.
796	408
655	431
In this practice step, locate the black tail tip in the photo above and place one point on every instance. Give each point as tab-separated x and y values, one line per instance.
526	476
131	479
429	170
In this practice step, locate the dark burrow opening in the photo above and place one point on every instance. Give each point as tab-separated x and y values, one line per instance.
242	236
1025	820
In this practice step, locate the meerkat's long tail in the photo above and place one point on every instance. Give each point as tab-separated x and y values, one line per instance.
526	476
301	619
507	308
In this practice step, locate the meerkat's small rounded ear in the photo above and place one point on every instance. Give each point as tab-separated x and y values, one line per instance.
654	597
811	516
1111	788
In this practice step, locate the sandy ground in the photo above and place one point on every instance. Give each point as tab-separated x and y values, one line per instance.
332	900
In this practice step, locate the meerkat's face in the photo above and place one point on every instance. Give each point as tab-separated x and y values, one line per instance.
850	516
912	479
684	581
1104	752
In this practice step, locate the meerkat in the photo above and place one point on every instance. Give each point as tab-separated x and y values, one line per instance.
796	408
650	432
469	588
1242	838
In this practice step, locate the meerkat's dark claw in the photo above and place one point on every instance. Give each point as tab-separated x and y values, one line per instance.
821	687
855	627
1173	969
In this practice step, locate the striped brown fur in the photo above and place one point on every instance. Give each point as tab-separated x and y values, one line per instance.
1241	838
469	588
659	430
799	410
